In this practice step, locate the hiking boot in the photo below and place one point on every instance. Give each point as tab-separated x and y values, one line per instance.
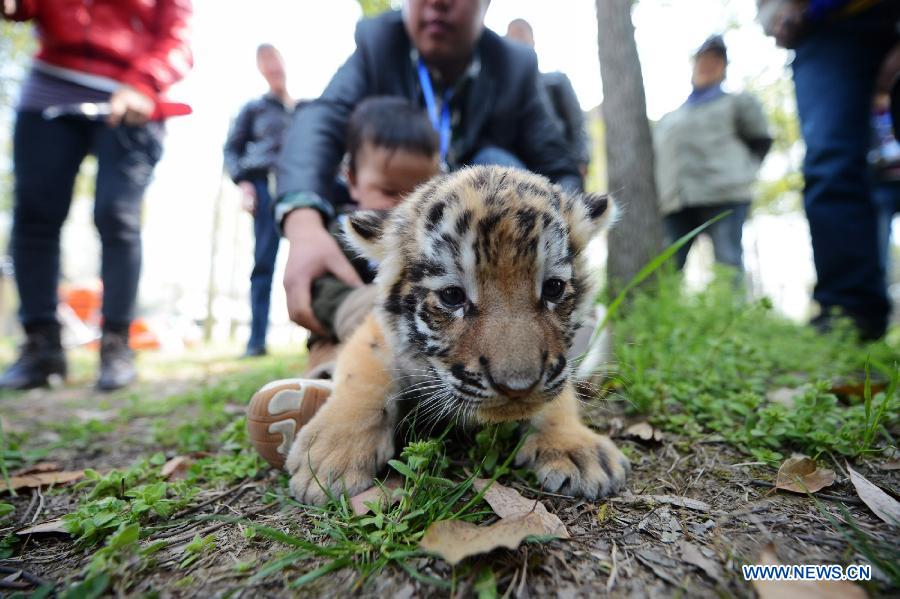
41	360
116	362
279	410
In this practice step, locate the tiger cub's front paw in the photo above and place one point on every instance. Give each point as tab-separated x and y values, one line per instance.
575	461
329	458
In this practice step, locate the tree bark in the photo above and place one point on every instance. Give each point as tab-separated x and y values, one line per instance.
637	237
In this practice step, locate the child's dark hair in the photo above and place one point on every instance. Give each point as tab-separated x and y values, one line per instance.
392	123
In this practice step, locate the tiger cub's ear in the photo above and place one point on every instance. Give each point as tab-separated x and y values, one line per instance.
364	230
589	213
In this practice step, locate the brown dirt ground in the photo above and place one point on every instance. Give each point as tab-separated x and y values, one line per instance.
635	549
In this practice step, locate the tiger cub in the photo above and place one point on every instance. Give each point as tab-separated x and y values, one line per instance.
482	281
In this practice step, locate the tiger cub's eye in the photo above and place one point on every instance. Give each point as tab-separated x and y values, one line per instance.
452	297
553	289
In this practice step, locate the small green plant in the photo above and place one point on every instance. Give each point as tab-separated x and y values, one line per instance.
3	458
196	548
492	442
122	498
116	563
875	414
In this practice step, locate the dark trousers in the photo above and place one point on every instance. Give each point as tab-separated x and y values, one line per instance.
834	75
264	254
47	155
726	234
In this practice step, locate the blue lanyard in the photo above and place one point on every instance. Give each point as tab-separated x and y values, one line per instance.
440	122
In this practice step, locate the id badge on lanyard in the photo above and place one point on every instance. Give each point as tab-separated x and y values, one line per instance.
440	120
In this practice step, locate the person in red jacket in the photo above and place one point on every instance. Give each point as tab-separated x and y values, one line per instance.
112	59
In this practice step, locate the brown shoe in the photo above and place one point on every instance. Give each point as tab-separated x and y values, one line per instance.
278	410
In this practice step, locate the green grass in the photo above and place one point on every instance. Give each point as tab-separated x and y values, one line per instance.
883	554
704	363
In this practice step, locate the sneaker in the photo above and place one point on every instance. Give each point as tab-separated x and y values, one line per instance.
278	410
116	362
41	361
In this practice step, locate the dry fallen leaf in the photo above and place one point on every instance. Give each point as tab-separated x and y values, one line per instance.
176	468
692	554
54	526
455	540
507	503
850	388
805	589
358	502
799	474
643	431
40	479
882	505
35	468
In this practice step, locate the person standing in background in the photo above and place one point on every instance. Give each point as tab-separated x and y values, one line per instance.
708	152
121	57
840	48
251	151
563	100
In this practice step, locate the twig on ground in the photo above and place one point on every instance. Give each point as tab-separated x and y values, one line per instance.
32	579
24	519
187	536
611	581
826	496
40	507
194	508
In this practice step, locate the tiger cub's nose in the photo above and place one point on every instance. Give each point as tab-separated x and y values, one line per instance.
514	392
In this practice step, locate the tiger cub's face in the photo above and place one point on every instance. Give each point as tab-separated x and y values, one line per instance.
482	282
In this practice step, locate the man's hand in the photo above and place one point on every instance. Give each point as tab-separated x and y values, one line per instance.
313	253
9	7
785	21
130	106
248	196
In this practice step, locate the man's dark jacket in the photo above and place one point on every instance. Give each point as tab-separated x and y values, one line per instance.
565	105
502	107
255	138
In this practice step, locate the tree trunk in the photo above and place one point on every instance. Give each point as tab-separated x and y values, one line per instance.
637	237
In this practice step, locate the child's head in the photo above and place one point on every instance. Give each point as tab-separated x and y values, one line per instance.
392	148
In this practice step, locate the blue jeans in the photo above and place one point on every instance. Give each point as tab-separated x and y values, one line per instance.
47	155
834	75
726	234
494	156
264	254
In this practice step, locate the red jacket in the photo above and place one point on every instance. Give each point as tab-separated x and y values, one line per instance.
142	43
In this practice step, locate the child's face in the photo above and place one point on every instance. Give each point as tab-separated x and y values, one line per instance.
384	177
